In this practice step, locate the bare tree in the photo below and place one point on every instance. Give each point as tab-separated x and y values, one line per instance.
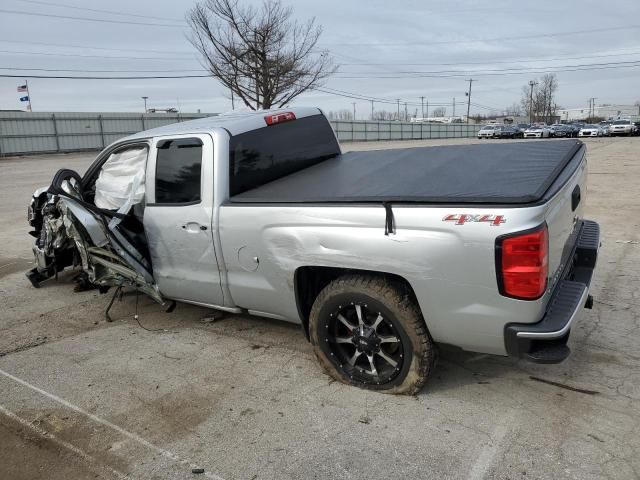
383	115
344	114
513	110
261	54
543	100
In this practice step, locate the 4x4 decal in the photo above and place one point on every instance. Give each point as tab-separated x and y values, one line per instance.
462	218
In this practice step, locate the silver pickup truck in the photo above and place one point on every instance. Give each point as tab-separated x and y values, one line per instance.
378	255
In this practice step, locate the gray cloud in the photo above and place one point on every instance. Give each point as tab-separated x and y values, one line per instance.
391	38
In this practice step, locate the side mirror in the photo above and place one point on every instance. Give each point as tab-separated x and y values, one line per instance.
66	182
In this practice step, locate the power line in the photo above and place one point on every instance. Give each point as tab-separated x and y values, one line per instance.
514	60
87	77
79	55
493	72
494	39
100	71
165	77
88	19
96	10
86	47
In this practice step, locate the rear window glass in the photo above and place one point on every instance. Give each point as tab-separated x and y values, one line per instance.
266	154
178	166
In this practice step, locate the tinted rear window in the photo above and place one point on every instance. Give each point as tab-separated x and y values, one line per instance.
178	166
266	154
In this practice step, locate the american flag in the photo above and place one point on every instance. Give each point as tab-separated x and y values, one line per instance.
22	88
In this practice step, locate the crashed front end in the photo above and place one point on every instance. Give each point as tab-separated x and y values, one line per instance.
70	232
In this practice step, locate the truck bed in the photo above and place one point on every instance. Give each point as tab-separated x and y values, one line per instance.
496	173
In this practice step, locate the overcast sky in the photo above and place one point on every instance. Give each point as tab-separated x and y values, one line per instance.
393	49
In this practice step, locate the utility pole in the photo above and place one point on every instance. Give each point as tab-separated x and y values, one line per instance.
371	109
469	99
145	103
398	100
531	84
592	108
454	107
28	95
354	109
422	106
406	114
427	108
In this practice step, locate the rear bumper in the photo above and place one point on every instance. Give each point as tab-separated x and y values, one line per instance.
546	340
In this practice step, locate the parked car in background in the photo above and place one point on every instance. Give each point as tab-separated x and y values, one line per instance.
604	130
573	129
606	127
489	131
561	131
590	131
637	128
521	127
510	132
621	127
537	131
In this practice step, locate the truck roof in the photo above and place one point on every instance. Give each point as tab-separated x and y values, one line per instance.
234	122
513	173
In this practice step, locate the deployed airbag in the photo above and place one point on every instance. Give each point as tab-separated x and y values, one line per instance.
121	179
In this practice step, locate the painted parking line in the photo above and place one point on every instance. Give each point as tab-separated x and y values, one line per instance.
489	452
132	436
93	463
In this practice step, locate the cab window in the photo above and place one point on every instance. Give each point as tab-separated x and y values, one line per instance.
178	171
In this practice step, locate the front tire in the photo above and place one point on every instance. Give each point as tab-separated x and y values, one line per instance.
368	332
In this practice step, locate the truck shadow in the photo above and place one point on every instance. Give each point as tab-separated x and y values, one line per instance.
456	368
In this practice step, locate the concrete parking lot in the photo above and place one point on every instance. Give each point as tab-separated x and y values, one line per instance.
243	397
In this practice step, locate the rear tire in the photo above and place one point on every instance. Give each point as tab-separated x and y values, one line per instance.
368	332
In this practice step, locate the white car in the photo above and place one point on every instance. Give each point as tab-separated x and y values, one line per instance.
606	128
489	131
537	131
590	131
621	127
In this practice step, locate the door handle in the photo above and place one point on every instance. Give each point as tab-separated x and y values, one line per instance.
194	227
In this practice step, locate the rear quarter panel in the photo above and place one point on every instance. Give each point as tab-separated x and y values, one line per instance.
450	267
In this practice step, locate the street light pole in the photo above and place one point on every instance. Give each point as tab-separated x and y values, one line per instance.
422	106
354	109
531	84
398	100
469	99
145	103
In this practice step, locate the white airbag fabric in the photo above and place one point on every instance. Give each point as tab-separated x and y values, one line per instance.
121	181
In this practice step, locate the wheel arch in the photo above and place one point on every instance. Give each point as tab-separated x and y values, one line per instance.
310	280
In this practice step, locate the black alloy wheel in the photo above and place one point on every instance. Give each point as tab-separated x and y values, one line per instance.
367	331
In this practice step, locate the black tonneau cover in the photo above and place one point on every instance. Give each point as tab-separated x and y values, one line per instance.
503	173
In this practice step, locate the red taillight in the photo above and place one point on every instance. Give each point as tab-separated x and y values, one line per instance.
279	118
523	262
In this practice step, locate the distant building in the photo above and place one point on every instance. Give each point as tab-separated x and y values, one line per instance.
609	112
437	120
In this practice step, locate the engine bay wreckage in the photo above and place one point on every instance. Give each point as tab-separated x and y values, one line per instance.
96	224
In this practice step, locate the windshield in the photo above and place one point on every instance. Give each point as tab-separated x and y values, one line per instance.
622	122
589	126
487	127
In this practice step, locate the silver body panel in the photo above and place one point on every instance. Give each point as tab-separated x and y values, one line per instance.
248	257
